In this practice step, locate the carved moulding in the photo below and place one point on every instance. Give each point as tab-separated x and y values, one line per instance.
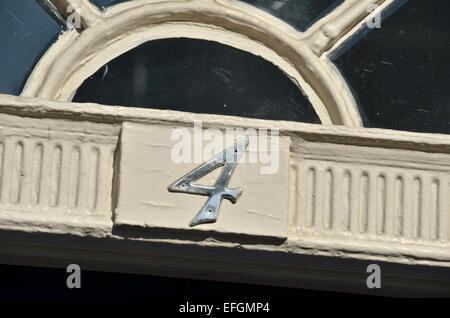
351	194
370	185
56	175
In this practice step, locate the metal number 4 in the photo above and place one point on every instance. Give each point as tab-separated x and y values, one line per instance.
229	159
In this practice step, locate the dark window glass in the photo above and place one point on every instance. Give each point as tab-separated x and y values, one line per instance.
106	3
400	72
26	31
298	13
198	76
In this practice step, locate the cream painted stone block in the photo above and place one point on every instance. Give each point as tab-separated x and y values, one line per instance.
147	169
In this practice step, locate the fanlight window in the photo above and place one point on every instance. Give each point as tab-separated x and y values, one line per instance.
310	61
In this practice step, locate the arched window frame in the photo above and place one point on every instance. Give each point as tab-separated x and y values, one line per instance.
303	56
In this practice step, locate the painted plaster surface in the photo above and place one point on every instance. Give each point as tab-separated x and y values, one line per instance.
147	169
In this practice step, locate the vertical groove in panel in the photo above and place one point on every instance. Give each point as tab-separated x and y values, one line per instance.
390	216
300	201
47	154
17	173
442	211
311	196
292	211
372	204
354	201
294	191
74	178
55	186
84	176
381	200
337	199
302	194
346	200
434	209
105	184
398	206
425	216
417	208
328	199
363	203
8	167
94	168
407	206
27	169
318	199
64	177
36	174
297	196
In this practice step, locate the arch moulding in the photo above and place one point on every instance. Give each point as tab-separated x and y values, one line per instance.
76	56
